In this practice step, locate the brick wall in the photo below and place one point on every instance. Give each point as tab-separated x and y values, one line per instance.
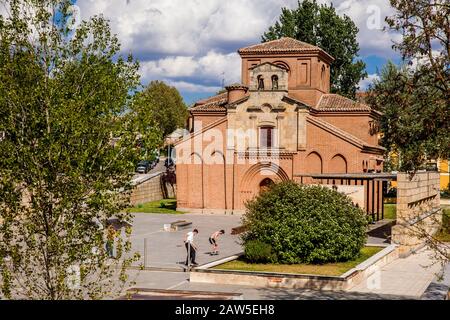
418	210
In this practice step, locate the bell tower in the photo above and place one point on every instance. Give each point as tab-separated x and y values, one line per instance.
307	66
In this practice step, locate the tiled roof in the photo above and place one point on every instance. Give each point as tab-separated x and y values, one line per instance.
343	134
282	45
220	96
335	102
236	86
215	103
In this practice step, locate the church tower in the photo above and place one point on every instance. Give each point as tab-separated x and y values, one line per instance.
308	66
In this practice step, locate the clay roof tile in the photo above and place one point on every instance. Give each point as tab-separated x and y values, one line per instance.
335	102
282	45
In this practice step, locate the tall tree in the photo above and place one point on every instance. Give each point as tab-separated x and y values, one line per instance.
320	25
415	121
425	25
67	152
163	104
416	99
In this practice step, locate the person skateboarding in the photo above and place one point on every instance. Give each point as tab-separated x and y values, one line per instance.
191	248
213	241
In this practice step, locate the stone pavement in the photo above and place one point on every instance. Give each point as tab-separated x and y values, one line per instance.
166	249
405	277
439	288
180	281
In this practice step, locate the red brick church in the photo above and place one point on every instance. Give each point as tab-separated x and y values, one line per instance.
280	123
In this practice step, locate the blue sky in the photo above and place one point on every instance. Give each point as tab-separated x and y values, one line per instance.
192	44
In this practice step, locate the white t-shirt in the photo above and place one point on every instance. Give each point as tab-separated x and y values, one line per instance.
190	237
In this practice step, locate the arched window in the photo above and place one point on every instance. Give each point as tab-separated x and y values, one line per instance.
274	82
260	83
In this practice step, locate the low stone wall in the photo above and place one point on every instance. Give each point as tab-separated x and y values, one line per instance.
351	278
149	189
418	210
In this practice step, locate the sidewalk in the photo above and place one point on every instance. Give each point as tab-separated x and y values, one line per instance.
402	279
405	277
180	281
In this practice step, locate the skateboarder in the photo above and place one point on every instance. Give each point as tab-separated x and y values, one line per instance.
191	248
213	240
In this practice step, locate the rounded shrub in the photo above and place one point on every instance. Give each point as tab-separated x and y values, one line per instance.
257	251
305	224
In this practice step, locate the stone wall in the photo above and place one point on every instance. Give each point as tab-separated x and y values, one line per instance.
418	210
150	189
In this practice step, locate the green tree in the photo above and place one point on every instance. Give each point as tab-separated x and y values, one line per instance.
163	104
415	98
425	26
67	152
416	118
320	25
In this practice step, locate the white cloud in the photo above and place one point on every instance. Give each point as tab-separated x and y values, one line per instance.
423	60
185	27
364	84
191	87
195	41
170	67
369	16
211	67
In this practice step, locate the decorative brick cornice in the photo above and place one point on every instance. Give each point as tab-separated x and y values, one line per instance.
266	154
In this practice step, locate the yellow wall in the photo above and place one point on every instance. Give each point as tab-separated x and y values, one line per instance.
443	169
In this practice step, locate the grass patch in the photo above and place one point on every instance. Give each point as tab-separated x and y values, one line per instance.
390	211
328	269
160	206
444	234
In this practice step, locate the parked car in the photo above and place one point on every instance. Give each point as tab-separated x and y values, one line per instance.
143	166
153	164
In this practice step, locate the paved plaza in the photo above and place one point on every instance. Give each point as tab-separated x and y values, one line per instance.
402	279
180	281
166	249
410	276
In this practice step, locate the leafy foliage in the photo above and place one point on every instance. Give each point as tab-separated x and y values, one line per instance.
258	252
305	224
426	39
320	25
163	104
67	152
416	117
415	98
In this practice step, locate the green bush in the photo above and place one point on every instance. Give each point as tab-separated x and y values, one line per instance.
258	252
305	224
445	193
446	221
